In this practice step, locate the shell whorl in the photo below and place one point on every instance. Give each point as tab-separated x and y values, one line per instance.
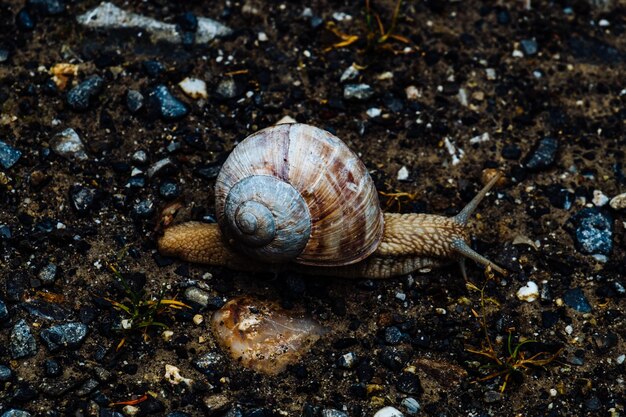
306	185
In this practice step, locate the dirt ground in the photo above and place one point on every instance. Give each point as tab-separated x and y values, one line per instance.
517	75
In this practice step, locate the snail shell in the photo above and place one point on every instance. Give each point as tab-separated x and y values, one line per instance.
294	192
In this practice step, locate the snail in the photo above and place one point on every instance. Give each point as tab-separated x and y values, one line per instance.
295	197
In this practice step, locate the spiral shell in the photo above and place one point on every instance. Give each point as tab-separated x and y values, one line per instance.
294	192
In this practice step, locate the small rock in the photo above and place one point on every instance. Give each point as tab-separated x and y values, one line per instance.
70	335
543	154
194	88
47	7
68	144
22	343
331	412
347	361
403	174
4	55
374	112
492	397
47	274
411	406
357	92
228	88
140	157
409	383
134	101
87	387
412	93
210	364
575	298
168	106
592	231
52	368
393	335
14	412
599	199
215	404
159	165
262	37
25	20
491	74
4	312
8	155
5	232
388	412
528	292
349	74
82	198
5	373
529	47
169	190
618	202
80	97
143	209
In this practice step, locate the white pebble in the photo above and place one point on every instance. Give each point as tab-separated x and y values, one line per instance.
569	329
198	319
401	296
167	335
403	174
286	120
412	93
193	87
618	202
620	359
529	292
553	392
262	37
374	112
388	412
480	138
349	74
599	199
491	74
130	410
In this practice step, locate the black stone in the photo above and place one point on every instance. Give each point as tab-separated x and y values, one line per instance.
169	190
52	368
543	154
46	7
168	107
393	335
70	335
5	373
143	209
408	383
22	343
511	152
80	97
4	311
529	47
549	319
153	68
24	20
134	101
5	232
592	230
82	198
8	155
575	298
187	22
136	181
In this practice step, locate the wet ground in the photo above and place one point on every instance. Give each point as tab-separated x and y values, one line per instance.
453	88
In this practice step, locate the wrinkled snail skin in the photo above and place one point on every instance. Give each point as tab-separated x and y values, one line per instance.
295	197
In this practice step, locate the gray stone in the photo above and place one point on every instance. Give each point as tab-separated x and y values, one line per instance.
22	342
70	335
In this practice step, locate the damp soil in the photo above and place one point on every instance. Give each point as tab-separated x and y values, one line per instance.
470	74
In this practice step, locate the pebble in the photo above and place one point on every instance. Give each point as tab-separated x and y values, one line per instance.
492	396
210	364
70	335
349	74
393	335
159	166
22	343
5	232
134	101
25	20
197	296
408	383
412	93
388	412
592	231
52	368
169	190
4	54
140	157
168	106
529	292
80	97
543	154
347	361
374	112
357	92
411	406
529	47
331	412
68	145
5	373
194	88
403	174
8	155
47	274
4	311
107	15
82	198
599	198
618	202
153	68
228	88
262	37
143	208
491	74
47	7
14	412
575	298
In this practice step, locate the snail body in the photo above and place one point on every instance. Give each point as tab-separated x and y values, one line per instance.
293	196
